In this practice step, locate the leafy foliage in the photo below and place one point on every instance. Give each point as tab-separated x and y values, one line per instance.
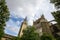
56	3
47	37
53	1
30	34
57	16
57	13
4	16
58	38
16	38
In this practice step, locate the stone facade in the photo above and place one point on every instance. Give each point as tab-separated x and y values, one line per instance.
42	25
23	26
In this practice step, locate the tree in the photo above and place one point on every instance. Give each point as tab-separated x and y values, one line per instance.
57	16
4	16
47	37
53	1
16	38
56	3
30	34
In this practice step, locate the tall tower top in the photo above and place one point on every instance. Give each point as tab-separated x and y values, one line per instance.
25	20
23	26
42	16
42	19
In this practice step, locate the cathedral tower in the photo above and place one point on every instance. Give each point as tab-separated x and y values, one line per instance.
23	26
45	25
42	25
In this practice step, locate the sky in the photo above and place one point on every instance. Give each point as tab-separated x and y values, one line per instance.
32	9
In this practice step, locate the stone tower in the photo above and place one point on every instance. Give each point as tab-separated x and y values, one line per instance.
45	25
42	25
23	26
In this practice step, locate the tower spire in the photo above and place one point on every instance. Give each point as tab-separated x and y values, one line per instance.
42	16
25	20
23	26
42	19
45	25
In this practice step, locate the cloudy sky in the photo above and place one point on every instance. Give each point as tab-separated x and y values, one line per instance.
33	9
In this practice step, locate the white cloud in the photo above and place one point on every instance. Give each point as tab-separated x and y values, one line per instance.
23	8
